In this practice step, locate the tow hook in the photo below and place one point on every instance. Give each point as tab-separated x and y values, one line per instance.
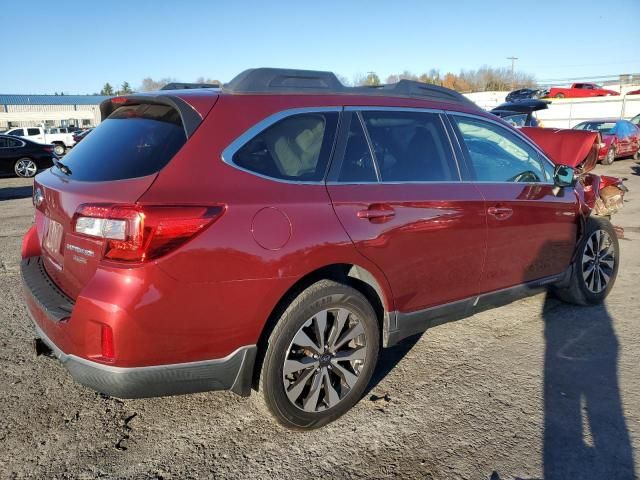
41	348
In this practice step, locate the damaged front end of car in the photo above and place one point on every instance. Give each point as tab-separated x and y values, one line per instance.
602	194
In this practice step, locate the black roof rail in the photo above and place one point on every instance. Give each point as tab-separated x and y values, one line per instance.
188	86
281	80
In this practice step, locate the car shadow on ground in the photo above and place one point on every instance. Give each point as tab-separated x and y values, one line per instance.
12	193
389	358
585	432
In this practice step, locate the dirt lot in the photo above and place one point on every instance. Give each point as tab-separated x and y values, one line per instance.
536	389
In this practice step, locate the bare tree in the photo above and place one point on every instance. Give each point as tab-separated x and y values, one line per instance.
208	80
149	84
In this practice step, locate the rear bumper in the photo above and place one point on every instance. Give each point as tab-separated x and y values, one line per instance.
52	311
230	373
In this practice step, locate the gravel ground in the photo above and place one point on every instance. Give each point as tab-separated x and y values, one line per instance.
535	389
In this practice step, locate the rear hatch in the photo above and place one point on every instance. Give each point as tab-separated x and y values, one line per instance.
115	165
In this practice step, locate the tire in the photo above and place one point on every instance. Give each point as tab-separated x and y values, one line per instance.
311	396
591	289
610	156
25	167
559	95
58	149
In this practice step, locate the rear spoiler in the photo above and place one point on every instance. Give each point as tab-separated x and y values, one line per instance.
191	118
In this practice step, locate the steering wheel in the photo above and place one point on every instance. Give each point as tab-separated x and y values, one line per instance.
526	177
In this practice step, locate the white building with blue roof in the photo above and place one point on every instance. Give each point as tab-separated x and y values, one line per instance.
50	110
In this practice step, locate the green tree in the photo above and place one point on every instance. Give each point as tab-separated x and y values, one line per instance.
125	89
107	89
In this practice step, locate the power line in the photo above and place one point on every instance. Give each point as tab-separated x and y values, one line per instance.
513	77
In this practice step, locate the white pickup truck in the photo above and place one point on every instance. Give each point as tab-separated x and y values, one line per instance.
60	138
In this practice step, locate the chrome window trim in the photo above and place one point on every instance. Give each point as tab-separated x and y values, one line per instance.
251	132
369	108
509	129
448	182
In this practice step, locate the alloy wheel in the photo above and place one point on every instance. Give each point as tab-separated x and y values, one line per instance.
611	156
324	360
25	167
598	261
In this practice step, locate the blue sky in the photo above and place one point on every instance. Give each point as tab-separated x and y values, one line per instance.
119	40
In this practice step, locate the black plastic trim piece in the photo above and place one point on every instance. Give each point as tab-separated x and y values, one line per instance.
234	372
290	81
53	301
191	119
412	323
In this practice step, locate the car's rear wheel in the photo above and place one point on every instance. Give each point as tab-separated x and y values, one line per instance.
610	156
320	356
25	167
595	266
58	149
559	95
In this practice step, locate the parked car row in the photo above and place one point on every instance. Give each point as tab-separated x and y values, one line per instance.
620	138
577	90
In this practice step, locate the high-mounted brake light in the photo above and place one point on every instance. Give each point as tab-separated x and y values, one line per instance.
119	100
137	233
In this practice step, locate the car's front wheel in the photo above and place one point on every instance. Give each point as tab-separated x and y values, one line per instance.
59	149
320	356
595	266
610	157
25	167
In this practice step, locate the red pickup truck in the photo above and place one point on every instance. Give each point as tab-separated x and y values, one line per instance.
578	90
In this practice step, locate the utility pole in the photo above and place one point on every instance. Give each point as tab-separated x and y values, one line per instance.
513	75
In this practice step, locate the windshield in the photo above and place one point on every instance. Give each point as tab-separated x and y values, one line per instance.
134	141
605	128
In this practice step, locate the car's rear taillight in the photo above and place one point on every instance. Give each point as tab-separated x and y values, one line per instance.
48	149
139	233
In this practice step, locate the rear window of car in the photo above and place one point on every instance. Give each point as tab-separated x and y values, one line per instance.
134	141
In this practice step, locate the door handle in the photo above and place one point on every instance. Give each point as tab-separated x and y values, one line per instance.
377	213
500	213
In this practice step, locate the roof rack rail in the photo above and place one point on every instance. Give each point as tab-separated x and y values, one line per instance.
188	86
281	80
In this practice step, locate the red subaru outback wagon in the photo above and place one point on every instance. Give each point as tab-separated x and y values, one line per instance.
276	233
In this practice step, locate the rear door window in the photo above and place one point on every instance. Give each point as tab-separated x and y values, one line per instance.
33	131
357	162
410	146
296	148
134	141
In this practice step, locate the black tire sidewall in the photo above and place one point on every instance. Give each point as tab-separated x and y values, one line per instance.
334	295
594	224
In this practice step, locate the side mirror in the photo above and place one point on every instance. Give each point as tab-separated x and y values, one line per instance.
564	176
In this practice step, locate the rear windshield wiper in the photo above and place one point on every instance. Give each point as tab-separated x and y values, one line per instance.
63	168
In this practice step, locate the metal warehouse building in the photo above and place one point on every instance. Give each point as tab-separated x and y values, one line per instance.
49	110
